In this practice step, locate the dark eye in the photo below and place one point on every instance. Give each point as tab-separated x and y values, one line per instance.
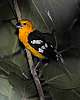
24	23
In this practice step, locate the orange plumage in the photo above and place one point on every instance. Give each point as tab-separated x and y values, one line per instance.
25	28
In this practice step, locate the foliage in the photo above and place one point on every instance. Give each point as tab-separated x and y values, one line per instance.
16	82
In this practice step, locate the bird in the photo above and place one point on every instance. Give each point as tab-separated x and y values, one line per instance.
41	45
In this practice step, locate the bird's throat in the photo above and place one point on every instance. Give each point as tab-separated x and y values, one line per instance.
23	36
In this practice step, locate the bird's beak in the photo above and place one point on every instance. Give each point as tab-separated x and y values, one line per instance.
18	25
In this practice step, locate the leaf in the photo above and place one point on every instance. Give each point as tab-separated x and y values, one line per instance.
7	91
5	87
55	76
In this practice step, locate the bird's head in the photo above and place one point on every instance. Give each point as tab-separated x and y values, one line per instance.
25	25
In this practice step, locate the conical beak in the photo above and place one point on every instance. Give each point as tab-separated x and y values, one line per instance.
18	25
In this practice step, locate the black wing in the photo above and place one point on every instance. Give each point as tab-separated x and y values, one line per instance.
41	42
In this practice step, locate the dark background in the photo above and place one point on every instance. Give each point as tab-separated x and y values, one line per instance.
66	15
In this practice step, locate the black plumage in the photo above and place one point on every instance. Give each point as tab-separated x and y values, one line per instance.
44	43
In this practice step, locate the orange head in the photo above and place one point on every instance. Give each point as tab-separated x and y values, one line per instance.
25	25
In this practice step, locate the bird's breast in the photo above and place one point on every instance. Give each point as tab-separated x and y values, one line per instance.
23	37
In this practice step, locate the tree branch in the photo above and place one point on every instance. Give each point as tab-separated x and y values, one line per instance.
35	76
17	10
30	61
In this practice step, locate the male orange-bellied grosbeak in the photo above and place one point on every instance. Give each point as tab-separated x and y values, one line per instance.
39	44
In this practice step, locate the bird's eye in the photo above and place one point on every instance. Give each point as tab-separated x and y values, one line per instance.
24	23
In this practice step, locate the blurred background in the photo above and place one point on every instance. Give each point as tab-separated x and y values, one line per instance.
63	16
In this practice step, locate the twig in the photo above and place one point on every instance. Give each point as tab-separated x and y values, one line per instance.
11	8
25	75
35	76
69	74
52	19
54	28
40	14
17	10
61	60
6	72
54	78
41	71
30	61
76	93
37	65
58	54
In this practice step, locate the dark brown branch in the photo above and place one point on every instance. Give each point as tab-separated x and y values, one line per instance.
30	61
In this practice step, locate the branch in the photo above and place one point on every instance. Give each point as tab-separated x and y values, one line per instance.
37	9
35	76
11	8
17	10
61	61
30	61
54	28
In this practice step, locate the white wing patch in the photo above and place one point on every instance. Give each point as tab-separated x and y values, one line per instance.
43	47
46	45
40	50
51	46
36	41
